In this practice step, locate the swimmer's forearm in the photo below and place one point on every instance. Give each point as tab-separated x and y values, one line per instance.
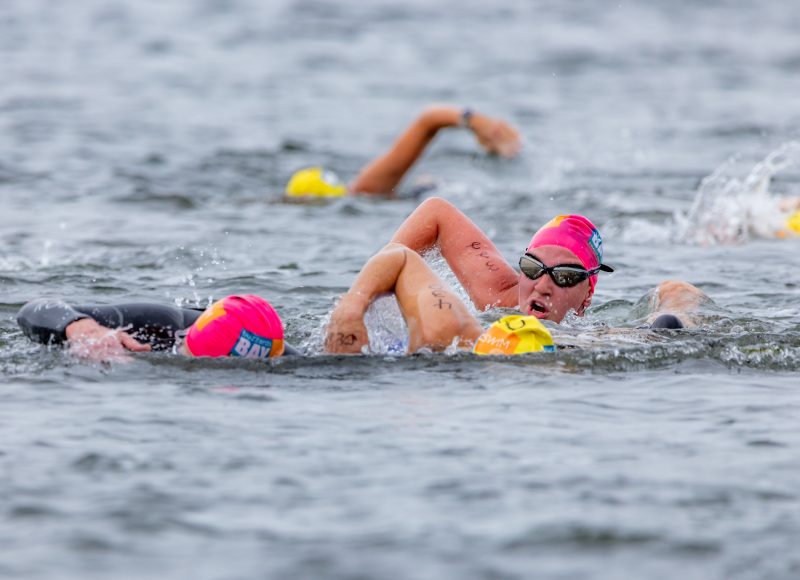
384	173
346	332
378	276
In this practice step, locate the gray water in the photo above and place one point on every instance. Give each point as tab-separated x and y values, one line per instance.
143	149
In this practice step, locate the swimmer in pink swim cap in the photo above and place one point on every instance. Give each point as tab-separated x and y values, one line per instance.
245	326
558	270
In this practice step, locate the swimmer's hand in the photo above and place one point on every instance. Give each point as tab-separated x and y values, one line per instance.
90	341
495	135
346	332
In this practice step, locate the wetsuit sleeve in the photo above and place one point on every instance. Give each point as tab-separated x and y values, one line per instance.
46	321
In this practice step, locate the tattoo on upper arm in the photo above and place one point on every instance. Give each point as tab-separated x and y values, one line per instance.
484	254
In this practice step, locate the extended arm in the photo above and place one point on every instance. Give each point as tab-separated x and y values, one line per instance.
384	173
95	331
486	276
56	322
433	313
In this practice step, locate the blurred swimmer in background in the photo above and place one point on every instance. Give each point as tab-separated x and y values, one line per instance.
382	175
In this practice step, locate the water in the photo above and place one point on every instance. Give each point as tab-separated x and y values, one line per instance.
143	147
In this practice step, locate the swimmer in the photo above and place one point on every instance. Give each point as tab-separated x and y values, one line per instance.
558	270
382	175
244	326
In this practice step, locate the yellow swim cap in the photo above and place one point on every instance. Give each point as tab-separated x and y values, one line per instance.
793	222
315	181
515	335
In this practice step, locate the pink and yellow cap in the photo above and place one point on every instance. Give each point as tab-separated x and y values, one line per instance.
245	326
578	235
515	334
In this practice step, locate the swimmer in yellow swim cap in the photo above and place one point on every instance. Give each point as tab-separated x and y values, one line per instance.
382	175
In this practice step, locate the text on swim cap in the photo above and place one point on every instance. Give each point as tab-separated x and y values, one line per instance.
250	345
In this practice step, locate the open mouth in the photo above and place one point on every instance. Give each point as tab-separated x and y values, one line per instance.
537	308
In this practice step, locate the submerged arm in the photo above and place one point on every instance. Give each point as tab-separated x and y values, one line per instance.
384	173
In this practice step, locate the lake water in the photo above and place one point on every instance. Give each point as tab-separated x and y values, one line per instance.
143	150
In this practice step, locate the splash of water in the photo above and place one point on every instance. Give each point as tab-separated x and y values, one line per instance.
728	209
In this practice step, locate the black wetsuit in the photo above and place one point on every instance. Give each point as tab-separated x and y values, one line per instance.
46	321
158	325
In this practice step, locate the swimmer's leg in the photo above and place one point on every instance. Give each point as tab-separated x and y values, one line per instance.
675	304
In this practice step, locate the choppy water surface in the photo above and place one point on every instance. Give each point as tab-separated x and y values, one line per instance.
143	148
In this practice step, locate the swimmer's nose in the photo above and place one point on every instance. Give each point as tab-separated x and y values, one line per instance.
544	285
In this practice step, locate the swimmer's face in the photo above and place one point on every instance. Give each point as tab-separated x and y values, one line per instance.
545	300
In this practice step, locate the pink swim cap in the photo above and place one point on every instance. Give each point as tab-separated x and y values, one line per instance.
245	326
578	235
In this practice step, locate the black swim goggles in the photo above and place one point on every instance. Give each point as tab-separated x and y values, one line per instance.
564	275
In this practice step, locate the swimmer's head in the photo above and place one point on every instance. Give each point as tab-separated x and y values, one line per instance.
315	182
243	326
578	235
515	335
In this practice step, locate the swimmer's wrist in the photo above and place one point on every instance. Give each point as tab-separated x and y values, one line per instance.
440	117
353	304
465	118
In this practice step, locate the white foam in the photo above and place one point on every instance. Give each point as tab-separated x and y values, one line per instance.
728	209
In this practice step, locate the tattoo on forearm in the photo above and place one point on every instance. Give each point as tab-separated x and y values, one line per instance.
440	293
437	292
